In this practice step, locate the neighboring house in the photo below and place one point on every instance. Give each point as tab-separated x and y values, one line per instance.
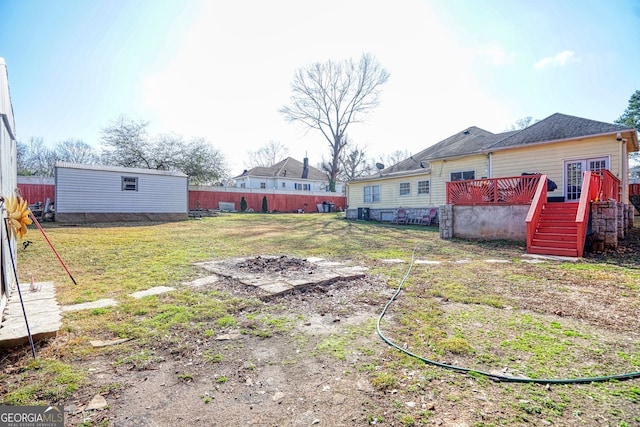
560	146
634	175
288	174
92	193
8	172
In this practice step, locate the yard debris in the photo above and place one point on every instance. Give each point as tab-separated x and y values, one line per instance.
98	402
100	343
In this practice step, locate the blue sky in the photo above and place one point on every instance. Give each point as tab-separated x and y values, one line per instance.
221	70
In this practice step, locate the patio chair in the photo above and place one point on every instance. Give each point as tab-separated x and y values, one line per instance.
401	217
430	218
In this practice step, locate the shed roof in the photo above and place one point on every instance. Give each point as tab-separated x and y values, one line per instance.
6	109
287	168
119	169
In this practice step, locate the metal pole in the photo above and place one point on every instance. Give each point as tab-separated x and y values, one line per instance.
15	274
35	221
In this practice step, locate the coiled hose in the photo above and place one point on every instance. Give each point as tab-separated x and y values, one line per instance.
494	377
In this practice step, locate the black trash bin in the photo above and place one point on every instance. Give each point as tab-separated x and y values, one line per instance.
363	214
332	207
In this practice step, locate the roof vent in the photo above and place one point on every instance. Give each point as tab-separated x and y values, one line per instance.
466	132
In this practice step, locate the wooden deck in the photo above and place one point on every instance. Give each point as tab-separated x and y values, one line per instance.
43	314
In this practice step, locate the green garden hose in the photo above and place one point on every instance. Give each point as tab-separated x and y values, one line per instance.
494	377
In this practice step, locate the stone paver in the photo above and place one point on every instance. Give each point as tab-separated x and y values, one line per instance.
43	315
152	291
203	281
428	262
101	303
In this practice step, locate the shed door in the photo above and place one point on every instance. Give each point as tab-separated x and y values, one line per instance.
573	170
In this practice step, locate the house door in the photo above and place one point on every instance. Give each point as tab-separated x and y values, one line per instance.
573	170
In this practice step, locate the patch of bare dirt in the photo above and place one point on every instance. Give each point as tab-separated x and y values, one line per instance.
281	264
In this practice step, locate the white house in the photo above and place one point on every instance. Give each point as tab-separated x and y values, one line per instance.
288	174
92	193
8	172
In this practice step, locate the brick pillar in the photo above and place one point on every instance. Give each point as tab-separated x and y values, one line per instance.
446	221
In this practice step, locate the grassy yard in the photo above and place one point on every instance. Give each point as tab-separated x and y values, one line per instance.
482	306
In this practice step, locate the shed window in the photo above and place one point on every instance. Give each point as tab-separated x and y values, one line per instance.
129	183
463	176
263	185
405	188
371	193
423	187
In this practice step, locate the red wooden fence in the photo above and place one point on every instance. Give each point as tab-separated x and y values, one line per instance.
34	193
275	202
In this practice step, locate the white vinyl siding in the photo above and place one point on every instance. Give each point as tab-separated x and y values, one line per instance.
100	191
549	159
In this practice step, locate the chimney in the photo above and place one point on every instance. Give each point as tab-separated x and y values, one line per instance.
305	168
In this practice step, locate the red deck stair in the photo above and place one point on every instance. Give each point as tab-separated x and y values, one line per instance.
556	232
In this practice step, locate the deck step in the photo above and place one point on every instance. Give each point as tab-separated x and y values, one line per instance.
542	250
556	232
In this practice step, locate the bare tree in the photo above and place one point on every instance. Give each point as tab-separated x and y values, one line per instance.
268	155
203	163
394	157
76	151
520	124
22	159
41	161
330	96
128	144
354	163
125	143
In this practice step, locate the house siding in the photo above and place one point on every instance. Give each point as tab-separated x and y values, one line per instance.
440	173
93	191
549	158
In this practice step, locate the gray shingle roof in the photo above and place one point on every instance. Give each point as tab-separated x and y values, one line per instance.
469	141
557	127
476	140
289	167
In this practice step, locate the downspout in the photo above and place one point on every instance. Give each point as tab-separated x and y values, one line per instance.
490	155
624	175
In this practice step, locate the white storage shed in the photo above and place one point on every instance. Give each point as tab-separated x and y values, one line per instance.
96	193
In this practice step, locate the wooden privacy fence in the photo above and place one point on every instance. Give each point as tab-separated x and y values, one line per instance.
277	201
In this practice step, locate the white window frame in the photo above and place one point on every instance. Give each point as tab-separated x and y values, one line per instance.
373	195
129	183
404	189
426	183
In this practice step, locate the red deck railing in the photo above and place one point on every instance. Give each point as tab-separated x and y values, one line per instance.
609	186
533	216
591	190
509	190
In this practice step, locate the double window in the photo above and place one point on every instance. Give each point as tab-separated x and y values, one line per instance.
372	193
303	187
